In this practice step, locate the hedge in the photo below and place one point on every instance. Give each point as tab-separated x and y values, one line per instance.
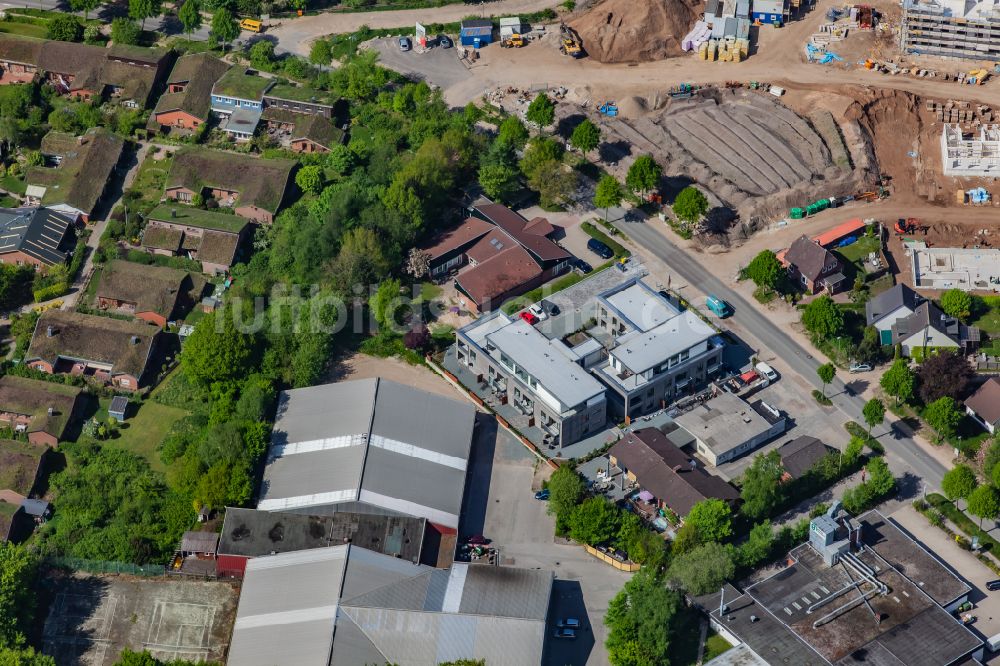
50	292
597	234
962	521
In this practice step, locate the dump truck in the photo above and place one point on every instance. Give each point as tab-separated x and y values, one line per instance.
569	42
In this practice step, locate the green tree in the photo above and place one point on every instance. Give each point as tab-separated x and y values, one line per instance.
703	569
984	503
262	54
898	381
540	151
765	270
217	351
822	318
608	193
541	111
642	621
320	52
758	545
140	10
959	482
690	205
18	568
644	174
360	260
499	181
384	303
944	417
309	178
957	303
64	28
340	159
826	373
125	31
594	521
761	490
711	518
554	183
852	451
224	26
85	6
566	489
586	136
11	656
874	413
190	16
512	132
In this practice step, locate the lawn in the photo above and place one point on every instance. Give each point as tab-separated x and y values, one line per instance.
714	646
25	29
429	291
8	202
853	256
143	430
988	320
150	179
13	183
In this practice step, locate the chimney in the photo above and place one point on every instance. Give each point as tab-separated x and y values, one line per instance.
135	339
49	331
51	411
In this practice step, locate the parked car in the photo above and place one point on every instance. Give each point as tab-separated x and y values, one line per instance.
568	623
405	44
444	42
583	266
542	494
993	585
860	367
538	311
528	317
764	370
564	633
550	308
600	249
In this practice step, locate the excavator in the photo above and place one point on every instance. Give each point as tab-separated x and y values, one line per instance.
515	41
569	42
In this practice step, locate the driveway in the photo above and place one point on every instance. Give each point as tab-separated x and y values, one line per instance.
437	66
504	476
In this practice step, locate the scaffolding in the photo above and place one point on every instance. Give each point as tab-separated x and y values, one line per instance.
951	28
968	153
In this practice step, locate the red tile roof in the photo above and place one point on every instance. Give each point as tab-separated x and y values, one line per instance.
499	274
490	245
986	401
524	232
471	229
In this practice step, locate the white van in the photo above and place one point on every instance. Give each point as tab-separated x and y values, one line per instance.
764	370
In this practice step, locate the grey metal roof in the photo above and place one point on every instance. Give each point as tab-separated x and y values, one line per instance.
383	443
540	357
641	351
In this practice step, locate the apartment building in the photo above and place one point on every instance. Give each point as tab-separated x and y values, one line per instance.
543	379
655	352
951	28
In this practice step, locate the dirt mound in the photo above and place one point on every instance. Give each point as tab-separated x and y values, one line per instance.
631	31
633	107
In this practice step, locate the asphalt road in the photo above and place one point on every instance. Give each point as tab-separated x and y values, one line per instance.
902	452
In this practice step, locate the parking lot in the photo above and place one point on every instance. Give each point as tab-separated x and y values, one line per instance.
519	525
436	65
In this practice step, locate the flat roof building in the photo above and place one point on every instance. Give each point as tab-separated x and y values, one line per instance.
970	154
726	426
951	28
345	606
369	446
884	600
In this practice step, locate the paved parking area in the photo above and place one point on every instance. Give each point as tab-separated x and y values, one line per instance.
437	66
521	527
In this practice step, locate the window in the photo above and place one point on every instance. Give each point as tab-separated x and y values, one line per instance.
506	362
126	382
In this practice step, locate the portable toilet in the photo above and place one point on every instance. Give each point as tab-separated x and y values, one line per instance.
476	32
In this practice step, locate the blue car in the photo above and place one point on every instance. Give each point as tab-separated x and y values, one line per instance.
542	494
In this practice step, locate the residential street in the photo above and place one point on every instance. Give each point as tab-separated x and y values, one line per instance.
902	452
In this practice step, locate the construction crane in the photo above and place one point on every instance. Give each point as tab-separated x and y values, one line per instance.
569	41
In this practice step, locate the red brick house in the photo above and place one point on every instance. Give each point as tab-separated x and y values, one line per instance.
253	187
813	266
39	237
148	293
108	351
40	409
188	99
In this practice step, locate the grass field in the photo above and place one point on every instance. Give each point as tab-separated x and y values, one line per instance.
13	183
25	29
714	646
988	320
144	429
149	180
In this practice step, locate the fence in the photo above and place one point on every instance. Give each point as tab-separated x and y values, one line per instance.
99	566
607	559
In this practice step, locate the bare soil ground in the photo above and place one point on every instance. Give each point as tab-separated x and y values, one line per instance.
363	366
92	619
630	31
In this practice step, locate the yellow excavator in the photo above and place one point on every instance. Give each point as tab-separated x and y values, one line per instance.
515	41
569	42
977	76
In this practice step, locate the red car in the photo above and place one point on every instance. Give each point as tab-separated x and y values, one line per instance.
528	317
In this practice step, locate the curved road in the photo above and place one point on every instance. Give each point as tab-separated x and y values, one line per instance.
296	35
902	453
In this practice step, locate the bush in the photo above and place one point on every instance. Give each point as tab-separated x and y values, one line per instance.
65	28
50	292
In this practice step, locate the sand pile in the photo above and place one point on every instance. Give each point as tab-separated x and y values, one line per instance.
636	30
